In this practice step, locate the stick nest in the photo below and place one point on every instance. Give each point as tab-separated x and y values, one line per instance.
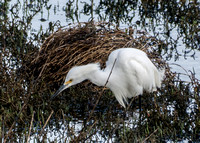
83	44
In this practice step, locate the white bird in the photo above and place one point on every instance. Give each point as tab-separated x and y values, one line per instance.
131	72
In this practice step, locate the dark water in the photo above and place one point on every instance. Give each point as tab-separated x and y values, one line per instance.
24	26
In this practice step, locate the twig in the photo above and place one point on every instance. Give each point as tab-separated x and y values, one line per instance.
46	122
117	125
129	104
83	134
149	136
102	90
183	69
30	127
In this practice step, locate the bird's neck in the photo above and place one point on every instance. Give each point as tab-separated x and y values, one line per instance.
99	77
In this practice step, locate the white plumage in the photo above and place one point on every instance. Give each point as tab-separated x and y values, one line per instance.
132	73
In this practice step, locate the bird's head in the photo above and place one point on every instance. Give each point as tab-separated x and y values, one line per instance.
76	75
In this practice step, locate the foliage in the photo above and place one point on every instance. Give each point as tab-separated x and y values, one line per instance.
29	76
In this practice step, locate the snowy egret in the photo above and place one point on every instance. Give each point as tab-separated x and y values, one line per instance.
128	73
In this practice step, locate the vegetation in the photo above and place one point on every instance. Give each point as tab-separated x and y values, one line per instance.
30	73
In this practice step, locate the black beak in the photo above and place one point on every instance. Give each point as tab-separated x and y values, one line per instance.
58	91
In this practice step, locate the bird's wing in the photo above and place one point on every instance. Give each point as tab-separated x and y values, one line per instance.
133	72
137	71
